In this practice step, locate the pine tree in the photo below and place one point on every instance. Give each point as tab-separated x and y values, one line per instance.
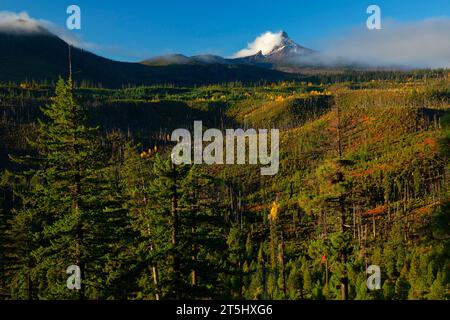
236	256
65	208
164	225
201	231
135	177
119	268
16	242
439	289
5	214
334	197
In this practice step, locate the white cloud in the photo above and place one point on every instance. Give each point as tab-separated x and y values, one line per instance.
9	21
13	22
22	23
264	42
418	44
424	44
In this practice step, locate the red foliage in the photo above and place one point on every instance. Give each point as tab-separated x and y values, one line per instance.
377	210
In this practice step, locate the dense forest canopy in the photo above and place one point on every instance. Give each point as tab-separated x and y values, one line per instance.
86	180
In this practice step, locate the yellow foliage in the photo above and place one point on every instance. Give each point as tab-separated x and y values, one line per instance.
25	85
146	154
274	211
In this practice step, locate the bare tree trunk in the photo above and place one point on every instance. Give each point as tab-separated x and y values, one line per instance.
29	281
194	259
264	281
283	266
155	273
326	275
374	230
338	111
80	232
174	213
343	253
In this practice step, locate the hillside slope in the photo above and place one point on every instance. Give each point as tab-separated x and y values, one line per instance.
44	57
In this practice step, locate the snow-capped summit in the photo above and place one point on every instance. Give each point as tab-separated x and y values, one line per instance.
287	49
274	48
269	50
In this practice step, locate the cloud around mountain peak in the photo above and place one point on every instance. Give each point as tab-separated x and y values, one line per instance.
19	23
265	43
22	23
419	44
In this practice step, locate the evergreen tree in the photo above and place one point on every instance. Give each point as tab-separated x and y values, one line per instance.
66	208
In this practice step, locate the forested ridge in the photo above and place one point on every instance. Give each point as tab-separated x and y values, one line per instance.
87	180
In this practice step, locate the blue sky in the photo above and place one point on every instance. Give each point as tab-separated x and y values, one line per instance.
132	30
